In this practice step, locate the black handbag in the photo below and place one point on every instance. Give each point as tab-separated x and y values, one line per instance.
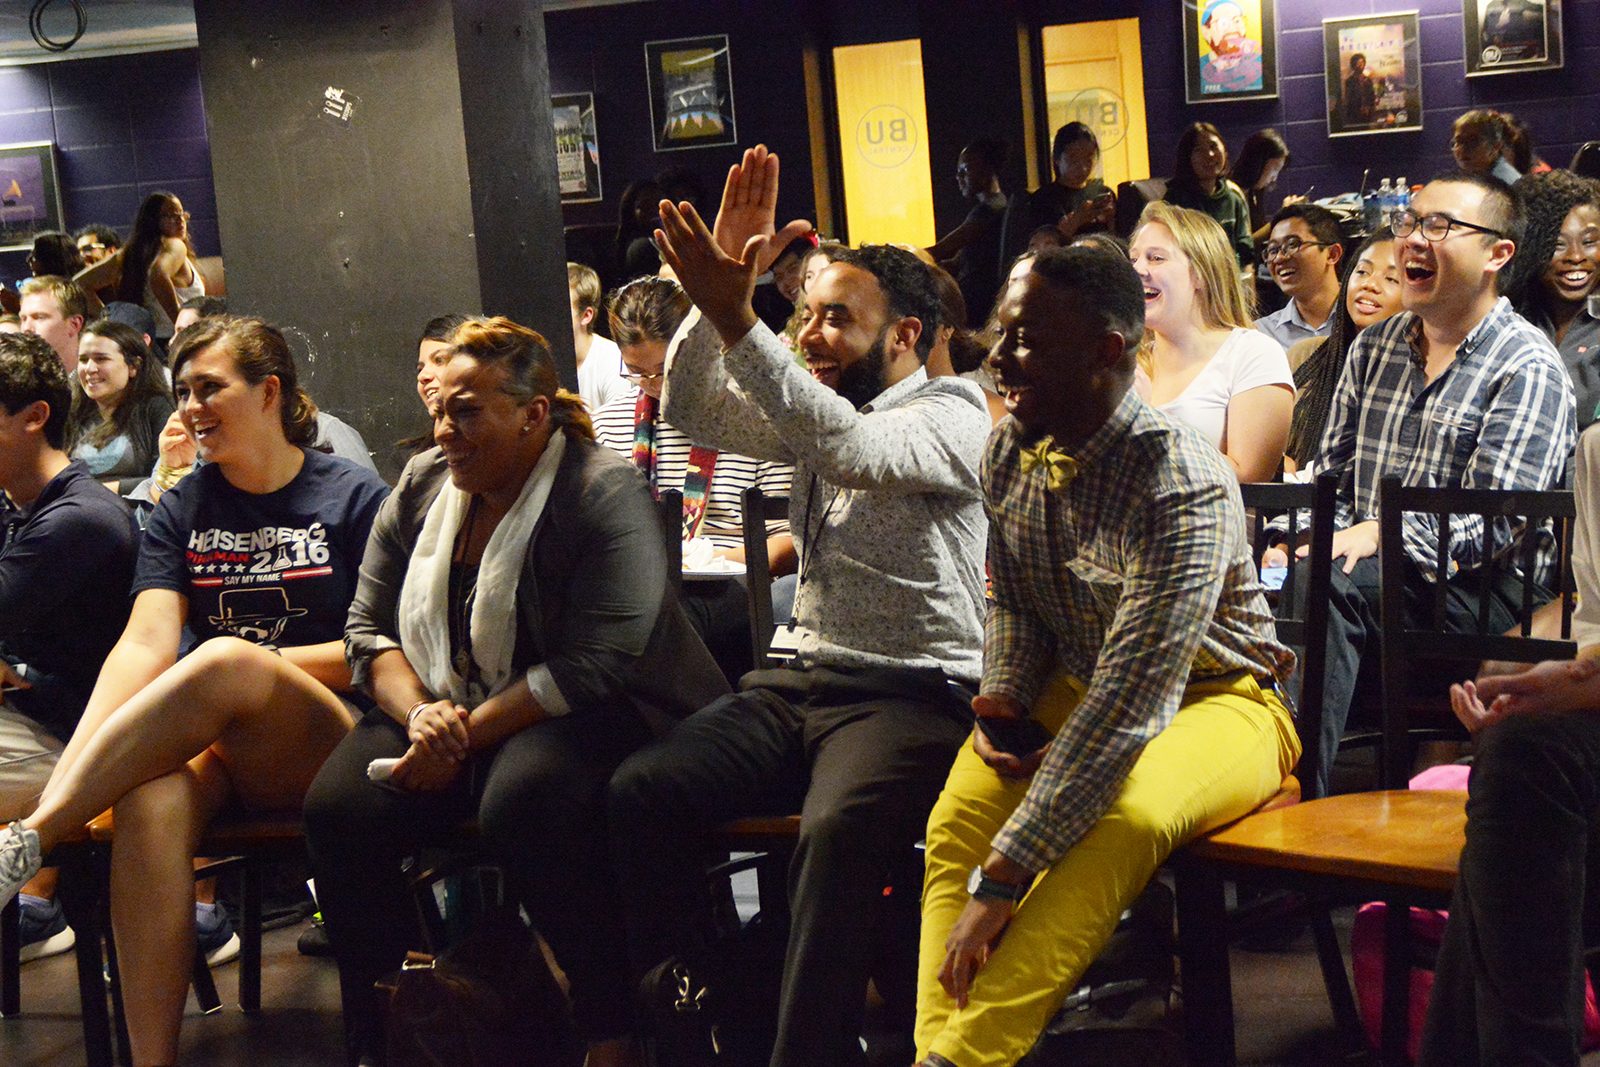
717	1007
490	1000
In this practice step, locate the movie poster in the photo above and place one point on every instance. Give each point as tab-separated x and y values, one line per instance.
1373	67
1230	50
1503	36
691	92
577	149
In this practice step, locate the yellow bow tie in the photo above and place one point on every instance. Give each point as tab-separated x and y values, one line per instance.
1059	468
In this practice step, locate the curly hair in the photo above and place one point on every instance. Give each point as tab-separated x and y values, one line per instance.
1548	199
1316	379
907	286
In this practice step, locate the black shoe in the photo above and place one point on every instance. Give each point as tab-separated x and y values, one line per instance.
314	941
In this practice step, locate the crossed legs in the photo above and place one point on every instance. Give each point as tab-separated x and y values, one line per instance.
231	720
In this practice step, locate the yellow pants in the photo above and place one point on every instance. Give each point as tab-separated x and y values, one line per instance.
1228	749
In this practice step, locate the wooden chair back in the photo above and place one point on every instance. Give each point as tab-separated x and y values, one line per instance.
1539	514
757	510
1302	612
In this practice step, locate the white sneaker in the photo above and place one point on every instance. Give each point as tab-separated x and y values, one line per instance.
19	859
44	929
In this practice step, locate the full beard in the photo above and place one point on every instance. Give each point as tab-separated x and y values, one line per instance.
862	380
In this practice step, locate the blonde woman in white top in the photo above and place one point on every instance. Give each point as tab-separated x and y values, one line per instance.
1202	362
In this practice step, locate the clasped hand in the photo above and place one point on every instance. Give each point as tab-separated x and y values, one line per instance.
441	738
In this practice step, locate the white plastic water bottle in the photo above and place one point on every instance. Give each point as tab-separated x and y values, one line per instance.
1385	202
1402	194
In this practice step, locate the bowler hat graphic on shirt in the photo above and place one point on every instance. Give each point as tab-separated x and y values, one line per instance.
257	615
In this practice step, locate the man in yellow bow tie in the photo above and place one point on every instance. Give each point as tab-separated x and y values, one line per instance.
1127	622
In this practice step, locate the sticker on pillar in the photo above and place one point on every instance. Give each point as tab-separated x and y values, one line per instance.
338	106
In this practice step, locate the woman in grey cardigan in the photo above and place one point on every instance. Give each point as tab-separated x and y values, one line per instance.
515	624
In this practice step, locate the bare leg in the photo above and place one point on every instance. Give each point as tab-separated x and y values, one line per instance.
255	706
43	884
158	825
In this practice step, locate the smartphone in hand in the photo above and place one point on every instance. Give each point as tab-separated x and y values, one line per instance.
1014	737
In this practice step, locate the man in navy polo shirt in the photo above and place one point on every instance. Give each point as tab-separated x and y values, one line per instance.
67	551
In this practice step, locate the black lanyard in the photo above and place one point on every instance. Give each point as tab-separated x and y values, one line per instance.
812	538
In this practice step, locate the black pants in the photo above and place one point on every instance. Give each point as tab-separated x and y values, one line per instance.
1351	688
861	754
719	611
538	799
1509	986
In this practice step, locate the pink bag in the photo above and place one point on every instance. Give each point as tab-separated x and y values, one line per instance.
1427	928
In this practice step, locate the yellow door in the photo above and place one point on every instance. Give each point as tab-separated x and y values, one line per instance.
883	136
1094	74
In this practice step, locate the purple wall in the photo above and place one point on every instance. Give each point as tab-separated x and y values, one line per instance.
1562	108
601	50
123	126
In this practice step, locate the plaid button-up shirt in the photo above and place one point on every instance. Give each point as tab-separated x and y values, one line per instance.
1500	416
1135	578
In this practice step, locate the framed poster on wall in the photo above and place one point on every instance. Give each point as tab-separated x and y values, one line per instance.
1503	36
1373	68
30	198
577	149
1230	50
691	92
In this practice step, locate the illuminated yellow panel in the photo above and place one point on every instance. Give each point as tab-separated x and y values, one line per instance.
883	134
1093	73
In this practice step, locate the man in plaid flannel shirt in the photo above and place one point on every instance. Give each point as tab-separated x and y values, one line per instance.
1129	623
1457	390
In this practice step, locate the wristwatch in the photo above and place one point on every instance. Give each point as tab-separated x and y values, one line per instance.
982	887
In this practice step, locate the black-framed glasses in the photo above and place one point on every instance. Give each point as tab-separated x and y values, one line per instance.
1434	227
1289	246
638	379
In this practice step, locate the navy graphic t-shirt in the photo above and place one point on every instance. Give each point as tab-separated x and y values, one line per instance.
277	569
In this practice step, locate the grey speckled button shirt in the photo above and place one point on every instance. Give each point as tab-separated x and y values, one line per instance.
893	557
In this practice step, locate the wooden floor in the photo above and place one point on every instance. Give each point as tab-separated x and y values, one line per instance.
1283	1017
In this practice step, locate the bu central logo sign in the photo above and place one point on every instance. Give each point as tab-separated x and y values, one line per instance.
886	136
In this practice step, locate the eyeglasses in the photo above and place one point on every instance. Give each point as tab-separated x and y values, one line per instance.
1434	227
638	379
1290	246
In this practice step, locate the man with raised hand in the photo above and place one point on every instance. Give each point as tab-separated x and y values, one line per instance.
1130	670
888	523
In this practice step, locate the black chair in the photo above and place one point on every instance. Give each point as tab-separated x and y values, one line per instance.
757	510
1392	845
670	503
1205	926
1544	516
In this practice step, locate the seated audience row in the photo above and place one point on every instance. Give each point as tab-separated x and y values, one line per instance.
502	630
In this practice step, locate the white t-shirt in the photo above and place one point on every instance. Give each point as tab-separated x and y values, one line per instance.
600	378
1247	359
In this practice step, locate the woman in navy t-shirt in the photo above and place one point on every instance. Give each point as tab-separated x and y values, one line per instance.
257	554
